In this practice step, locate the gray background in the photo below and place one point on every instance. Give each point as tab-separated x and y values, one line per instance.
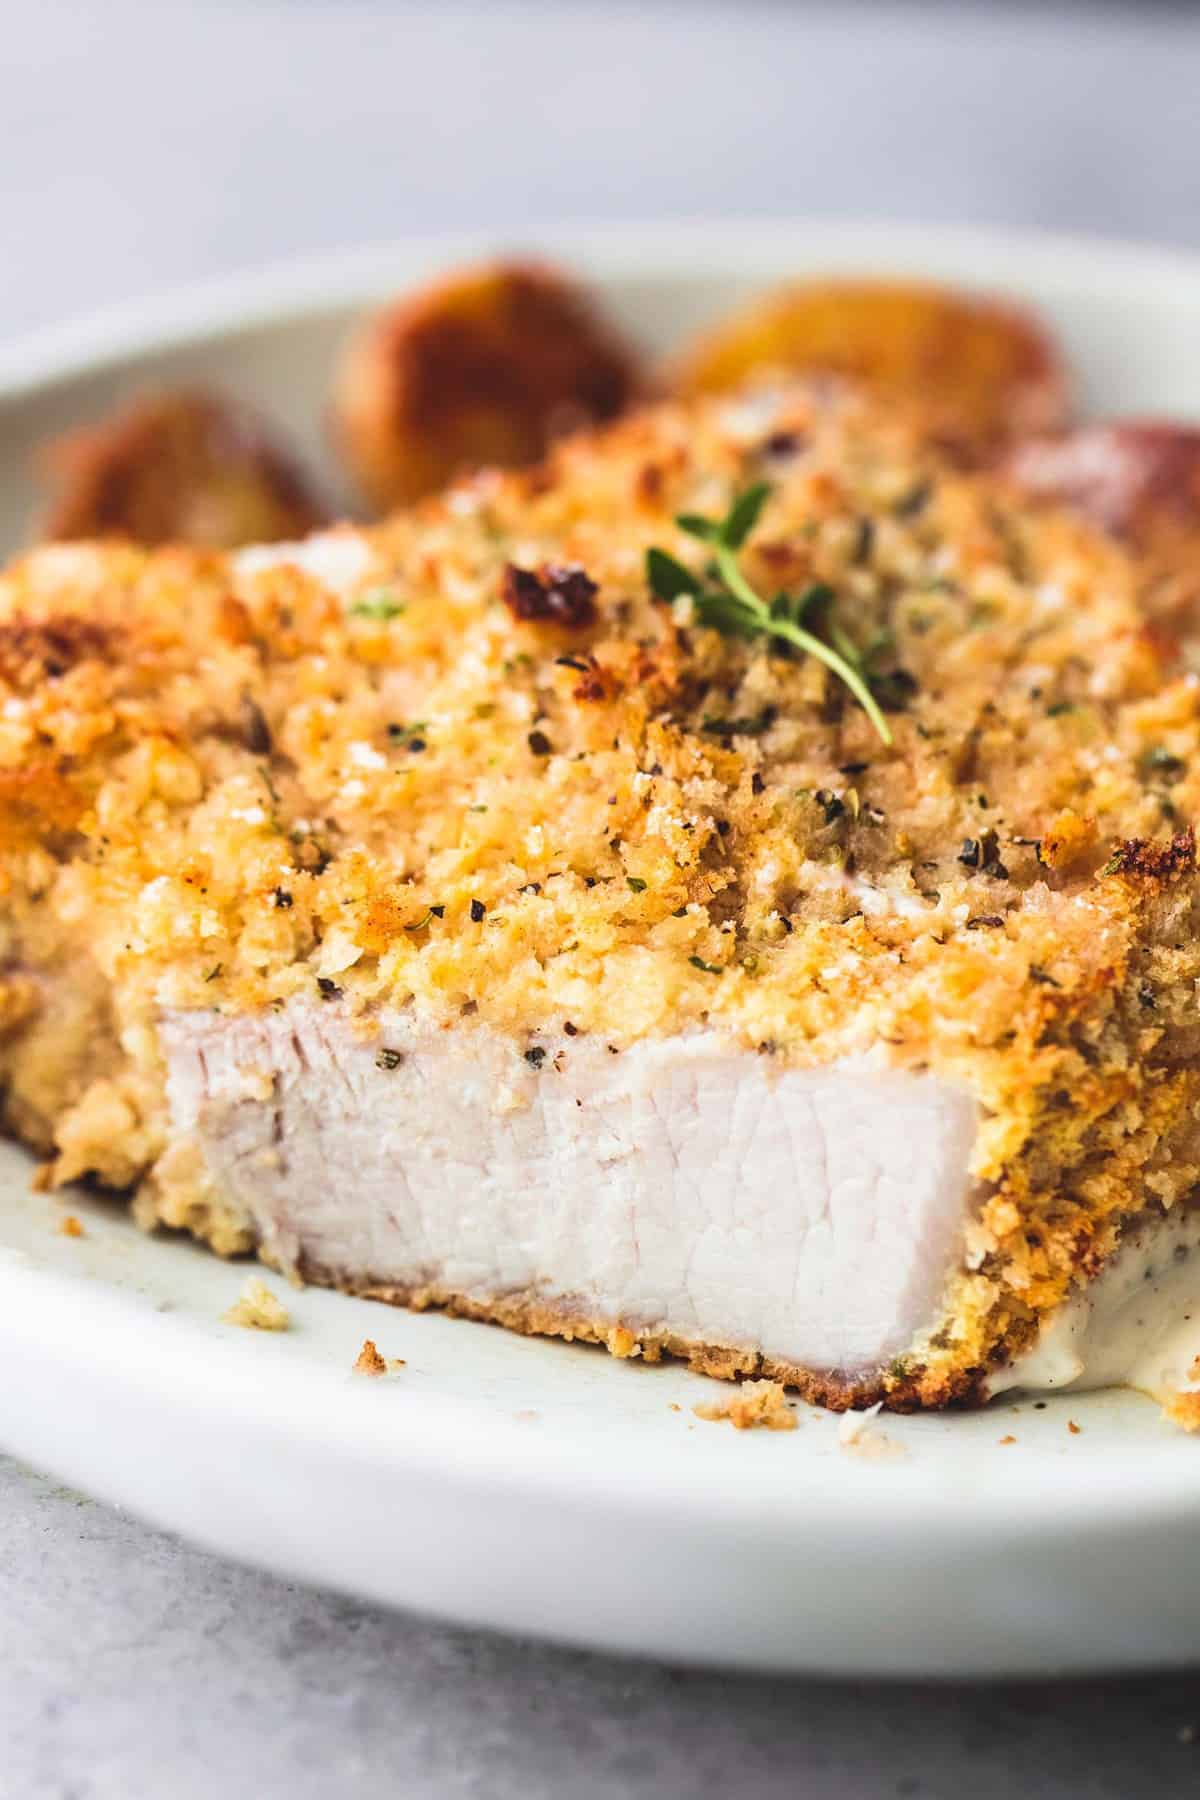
147	145
143	145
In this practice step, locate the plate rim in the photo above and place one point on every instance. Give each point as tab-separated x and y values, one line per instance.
186	1361
287	290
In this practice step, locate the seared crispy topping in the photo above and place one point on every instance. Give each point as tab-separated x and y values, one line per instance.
717	835
561	593
43	650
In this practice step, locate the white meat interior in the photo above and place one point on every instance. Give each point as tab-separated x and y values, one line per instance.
682	1184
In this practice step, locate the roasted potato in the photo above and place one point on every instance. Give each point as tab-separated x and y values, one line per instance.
1139	480
974	370
181	467
484	367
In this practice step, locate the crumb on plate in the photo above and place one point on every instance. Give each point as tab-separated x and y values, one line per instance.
752	1405
369	1361
258	1309
1180	1406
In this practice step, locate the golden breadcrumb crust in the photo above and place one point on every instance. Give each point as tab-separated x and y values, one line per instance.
223	785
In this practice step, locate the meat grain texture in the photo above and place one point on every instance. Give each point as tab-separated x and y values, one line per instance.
595	972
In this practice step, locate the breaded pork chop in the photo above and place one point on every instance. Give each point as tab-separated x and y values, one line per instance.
452	917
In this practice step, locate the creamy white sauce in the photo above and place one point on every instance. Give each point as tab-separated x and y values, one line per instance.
1136	1325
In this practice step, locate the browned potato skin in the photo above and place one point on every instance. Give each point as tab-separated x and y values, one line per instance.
485	367
183	467
1138	480
973	370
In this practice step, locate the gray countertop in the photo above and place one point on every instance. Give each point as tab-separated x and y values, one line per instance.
146	145
134	1666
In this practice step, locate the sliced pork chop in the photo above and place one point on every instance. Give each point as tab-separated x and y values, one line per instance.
481	913
680	1190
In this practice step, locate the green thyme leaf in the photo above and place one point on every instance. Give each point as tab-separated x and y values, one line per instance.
744	514
724	613
669	578
732	606
636	883
697	526
698	962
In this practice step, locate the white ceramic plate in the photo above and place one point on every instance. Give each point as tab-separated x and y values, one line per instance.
537	1487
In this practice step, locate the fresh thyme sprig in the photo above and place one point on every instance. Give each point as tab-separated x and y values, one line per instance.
731	605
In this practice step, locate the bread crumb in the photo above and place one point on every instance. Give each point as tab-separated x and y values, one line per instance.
43	1178
1182	1409
1010	1439
258	1309
70	1226
1073	1428
857	1439
673	1406
621	1342
369	1360
754	1404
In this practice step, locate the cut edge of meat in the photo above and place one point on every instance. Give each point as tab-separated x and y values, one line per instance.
681	1197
